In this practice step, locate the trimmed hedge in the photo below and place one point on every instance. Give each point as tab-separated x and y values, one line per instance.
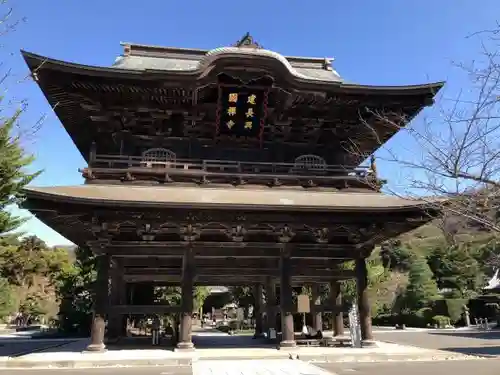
451	307
409	320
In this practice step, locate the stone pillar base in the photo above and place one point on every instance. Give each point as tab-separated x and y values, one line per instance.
96	348
184	347
287	344
369	344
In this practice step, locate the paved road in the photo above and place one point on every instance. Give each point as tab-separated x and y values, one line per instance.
476	367
465	342
479	367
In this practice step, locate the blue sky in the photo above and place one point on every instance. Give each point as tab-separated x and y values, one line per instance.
385	42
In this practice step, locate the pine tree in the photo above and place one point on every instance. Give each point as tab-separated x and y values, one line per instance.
13	174
422	288
455	268
7	299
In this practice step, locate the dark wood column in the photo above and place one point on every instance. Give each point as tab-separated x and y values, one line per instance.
287	329
336	304
187	286
115	321
365	317
258	297
101	298
317	319
271	313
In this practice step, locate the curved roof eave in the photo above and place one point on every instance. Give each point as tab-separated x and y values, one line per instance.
285	200
36	62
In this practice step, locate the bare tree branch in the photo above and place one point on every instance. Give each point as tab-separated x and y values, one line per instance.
456	155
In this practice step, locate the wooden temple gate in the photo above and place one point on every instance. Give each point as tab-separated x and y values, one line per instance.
225	167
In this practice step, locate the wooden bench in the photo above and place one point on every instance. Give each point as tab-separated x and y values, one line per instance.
309	342
343	341
328	341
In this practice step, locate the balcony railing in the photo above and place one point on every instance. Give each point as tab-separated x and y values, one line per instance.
308	169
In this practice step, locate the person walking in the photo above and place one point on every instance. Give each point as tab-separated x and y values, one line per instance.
155	330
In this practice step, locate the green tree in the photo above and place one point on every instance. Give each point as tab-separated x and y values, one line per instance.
167	295
455	268
200	295
13	172
396	257
7	299
32	308
422	288
22	263
243	297
74	287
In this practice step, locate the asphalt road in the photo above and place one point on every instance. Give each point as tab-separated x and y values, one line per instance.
466	342
476	367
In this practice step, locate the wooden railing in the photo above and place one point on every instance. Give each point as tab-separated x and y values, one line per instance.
137	164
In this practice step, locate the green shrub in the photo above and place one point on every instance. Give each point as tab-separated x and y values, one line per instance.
416	320
425	314
441	321
451	307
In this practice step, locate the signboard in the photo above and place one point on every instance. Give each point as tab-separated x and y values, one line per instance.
303	303
241	111
354	326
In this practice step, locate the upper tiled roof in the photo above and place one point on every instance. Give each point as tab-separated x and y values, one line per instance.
145	57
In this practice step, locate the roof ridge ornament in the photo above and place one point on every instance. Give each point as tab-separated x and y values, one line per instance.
247	41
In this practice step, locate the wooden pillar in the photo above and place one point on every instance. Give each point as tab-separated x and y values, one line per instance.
317	318
187	286
101	298
123	300
336	305
257	306
115	321
270	304
286	303
363	302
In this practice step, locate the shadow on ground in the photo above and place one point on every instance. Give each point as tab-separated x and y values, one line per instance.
486	343
478	343
209	339
482	335
200	341
17	349
485	351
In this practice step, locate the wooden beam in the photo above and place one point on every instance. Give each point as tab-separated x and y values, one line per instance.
226	280
158	262
143	309
235	250
201	245
208	281
244	271
319	308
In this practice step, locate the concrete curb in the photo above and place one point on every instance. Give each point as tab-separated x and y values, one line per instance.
387	358
186	363
165	362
